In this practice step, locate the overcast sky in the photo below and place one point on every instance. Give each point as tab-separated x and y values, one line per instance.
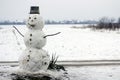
60	9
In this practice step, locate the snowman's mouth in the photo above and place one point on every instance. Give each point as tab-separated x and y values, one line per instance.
31	25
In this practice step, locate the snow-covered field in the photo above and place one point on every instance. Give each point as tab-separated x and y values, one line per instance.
71	44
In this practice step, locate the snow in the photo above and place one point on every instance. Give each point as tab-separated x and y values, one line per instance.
10	47
94	73
79	73
71	44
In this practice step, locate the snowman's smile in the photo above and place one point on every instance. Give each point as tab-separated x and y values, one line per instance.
31	25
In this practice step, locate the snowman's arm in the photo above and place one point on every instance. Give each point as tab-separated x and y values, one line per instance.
18	31
52	34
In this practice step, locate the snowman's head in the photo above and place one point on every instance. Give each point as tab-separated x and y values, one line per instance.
35	22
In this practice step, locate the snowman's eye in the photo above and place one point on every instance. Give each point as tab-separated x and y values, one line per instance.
29	17
35	18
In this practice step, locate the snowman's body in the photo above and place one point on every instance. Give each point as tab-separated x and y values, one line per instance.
34	58
35	39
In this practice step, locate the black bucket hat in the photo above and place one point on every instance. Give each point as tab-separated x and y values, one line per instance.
34	10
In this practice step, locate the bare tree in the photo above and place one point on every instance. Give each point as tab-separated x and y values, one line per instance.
106	23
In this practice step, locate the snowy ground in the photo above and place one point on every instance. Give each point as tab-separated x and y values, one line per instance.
71	44
80	73
94	73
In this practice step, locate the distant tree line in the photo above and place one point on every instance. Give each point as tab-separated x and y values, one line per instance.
7	22
107	23
51	22
71	22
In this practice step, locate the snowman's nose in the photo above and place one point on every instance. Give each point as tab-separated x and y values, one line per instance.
31	20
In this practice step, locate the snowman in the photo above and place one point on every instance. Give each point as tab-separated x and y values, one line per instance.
34	58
